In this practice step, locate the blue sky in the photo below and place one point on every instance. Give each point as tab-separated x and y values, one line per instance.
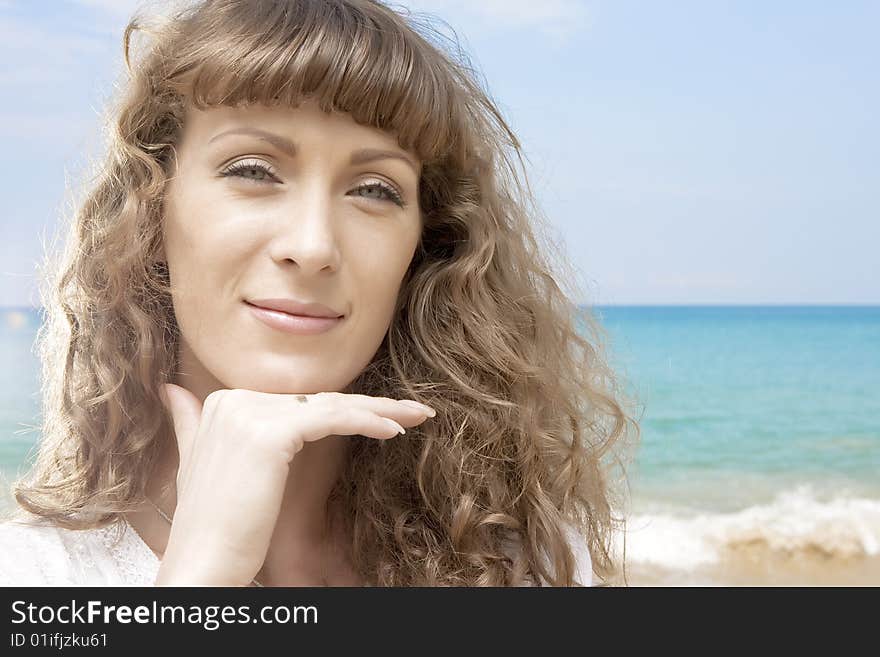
684	152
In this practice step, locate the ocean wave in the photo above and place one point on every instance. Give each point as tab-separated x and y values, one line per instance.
795	523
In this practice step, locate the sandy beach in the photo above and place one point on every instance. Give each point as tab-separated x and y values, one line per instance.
755	565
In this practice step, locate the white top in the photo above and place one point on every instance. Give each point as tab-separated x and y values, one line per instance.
38	553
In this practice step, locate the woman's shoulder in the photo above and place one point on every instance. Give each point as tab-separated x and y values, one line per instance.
36	552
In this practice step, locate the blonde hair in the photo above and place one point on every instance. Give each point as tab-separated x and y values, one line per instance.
531	418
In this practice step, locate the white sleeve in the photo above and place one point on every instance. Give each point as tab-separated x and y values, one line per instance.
32	555
583	564
583	573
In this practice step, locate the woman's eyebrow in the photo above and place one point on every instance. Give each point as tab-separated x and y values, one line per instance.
281	143
288	147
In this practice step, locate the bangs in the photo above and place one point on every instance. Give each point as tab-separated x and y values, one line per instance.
356	58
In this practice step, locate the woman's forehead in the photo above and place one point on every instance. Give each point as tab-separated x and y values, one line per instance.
299	123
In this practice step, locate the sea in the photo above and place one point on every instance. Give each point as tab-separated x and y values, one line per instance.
758	462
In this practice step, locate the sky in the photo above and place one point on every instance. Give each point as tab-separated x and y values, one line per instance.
683	152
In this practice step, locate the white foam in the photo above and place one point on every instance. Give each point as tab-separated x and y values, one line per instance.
795	521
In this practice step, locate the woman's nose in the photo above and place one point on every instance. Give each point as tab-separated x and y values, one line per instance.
306	235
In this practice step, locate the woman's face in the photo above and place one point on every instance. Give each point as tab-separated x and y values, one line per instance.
295	204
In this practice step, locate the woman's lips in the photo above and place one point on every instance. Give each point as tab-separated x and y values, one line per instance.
296	324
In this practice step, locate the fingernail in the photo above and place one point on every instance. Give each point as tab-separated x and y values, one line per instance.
418	405
396	426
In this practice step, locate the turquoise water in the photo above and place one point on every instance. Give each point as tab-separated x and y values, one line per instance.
754	399
760	427
756	421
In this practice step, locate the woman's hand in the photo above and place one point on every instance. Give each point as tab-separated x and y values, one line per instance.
235	455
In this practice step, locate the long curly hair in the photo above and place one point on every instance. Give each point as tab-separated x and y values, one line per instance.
531	426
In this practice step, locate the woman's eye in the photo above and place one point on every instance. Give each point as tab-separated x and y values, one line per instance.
250	170
379	191
259	172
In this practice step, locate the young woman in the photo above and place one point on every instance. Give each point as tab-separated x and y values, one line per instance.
304	333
